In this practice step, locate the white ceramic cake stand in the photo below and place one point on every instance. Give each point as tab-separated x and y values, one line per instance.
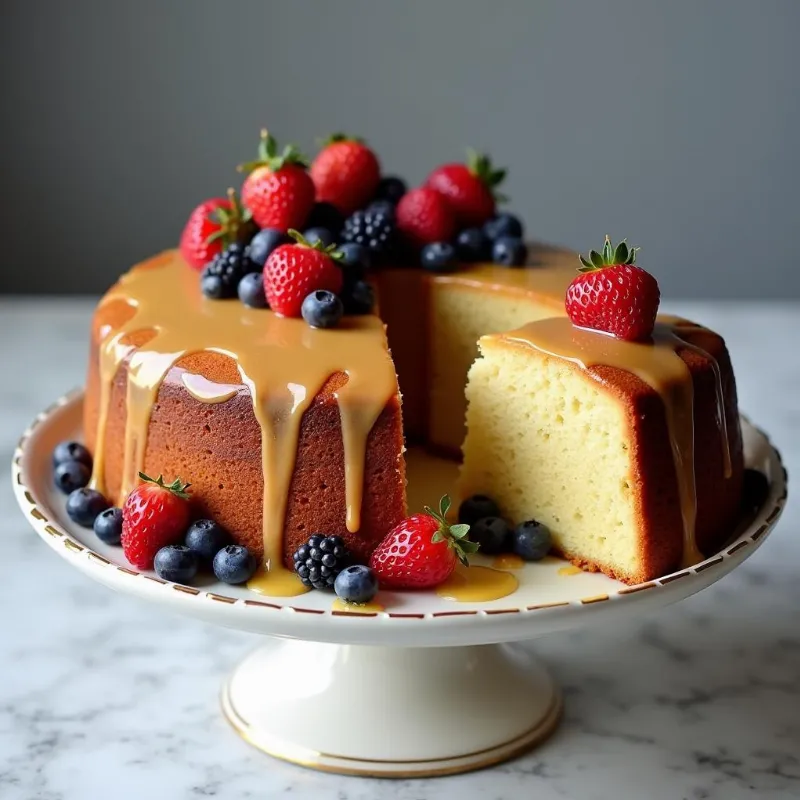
442	691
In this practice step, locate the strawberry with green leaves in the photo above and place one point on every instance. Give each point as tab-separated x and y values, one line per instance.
211	227
155	514
421	551
470	189
613	295
293	271
278	190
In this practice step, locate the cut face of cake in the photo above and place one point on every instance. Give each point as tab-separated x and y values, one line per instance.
630	452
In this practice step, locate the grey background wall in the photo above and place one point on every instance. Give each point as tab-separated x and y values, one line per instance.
672	123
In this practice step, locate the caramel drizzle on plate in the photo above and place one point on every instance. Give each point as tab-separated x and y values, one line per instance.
283	362
660	366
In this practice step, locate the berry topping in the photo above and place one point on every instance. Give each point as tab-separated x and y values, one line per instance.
345	173
373	230
321	235
212	226
108	526
251	290
83	506
357	584
509	252
421	551
221	277
71	451
176	563
531	540
473	245
71	475
263	243
424	216
354	258
294	271
234	564
391	188
492	534
325	215
358	298
320	560
613	295
385	207
154	515
206	538
322	309
476	507
469	188
503	225
278	189
439	257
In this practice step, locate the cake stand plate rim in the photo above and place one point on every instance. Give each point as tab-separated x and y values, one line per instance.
456	624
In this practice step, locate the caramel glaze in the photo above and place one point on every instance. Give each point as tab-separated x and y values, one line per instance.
283	362
477	585
660	364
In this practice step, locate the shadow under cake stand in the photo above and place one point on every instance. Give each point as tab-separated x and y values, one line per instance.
447	693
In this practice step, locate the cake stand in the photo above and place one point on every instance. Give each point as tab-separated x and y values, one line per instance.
427	686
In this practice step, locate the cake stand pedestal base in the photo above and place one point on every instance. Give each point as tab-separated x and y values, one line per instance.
391	712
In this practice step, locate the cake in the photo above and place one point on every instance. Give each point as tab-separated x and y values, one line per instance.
289	426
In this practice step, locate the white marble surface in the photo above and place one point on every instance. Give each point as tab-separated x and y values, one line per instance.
103	697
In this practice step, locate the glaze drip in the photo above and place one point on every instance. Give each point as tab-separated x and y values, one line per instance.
283	362
660	366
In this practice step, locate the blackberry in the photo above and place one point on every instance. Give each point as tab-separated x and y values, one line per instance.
372	229
320	560
221	276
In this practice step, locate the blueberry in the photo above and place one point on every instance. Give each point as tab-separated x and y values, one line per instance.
385	207
503	225
71	451
359	298
356	584
509	252
108	525
391	188
263	243
234	564
83	506
206	538
439	257
472	245
354	257
325	215
71	475
476	507
531	540
491	533
314	235
176	563
251	290
212	287
322	309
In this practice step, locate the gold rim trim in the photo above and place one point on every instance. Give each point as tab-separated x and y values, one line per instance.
323	762
72	546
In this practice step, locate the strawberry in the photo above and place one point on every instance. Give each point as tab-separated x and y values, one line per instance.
278	189
424	216
345	173
293	271
613	295
421	551
212	226
154	515
469	188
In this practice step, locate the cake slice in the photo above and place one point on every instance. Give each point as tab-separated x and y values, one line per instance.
630	452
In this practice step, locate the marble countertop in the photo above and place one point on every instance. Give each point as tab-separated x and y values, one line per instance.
104	696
